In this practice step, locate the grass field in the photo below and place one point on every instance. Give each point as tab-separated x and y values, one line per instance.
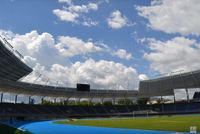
163	123
4	129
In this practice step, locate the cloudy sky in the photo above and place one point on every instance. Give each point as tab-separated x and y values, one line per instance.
109	43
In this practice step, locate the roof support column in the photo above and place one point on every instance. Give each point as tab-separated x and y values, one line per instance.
16	98
90	101
188	99
102	100
1	97
186	89
126	105
77	101
66	101
162	104
42	100
114	100
29	99
174	102
55	100
174	98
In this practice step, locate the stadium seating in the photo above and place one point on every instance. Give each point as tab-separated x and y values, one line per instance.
52	111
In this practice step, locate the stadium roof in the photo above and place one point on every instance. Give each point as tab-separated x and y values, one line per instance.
51	91
11	66
165	86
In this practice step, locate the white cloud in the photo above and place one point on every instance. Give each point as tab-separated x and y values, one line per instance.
66	15
123	54
100	74
43	46
65	1
39	76
82	8
143	77
7	34
173	16
89	22
35	46
74	13
30	61
71	46
116	20
173	55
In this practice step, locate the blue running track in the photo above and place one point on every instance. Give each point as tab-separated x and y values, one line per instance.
48	127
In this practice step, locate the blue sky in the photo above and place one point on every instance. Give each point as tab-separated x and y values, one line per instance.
145	38
20	16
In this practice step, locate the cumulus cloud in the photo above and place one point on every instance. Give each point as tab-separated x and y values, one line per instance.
173	16
30	61
143	77
66	15
100	74
89	22
123	54
74	13
82	8
116	20
71	46
179	53
65	1
37	46
43	46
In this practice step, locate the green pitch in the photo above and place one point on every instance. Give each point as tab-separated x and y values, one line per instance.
163	123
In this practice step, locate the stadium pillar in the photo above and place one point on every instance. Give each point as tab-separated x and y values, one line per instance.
188	99
1	97
55	100
162	106
79	100
174	98
174	101
102	100
16	98
90	101
29	100
113	101
67	100
42	99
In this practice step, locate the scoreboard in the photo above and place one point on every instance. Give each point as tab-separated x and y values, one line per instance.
83	87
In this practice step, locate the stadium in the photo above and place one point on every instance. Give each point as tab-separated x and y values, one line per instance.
102	114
